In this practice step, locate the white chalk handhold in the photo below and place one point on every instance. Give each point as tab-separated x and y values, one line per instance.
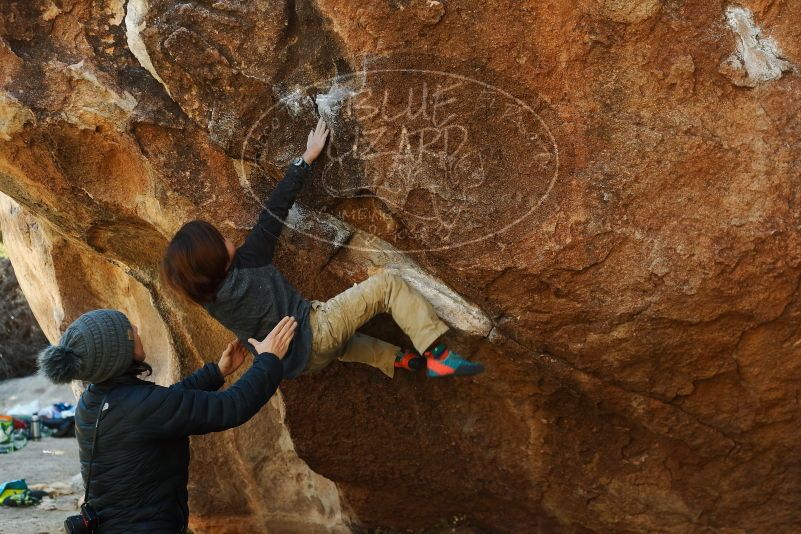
757	54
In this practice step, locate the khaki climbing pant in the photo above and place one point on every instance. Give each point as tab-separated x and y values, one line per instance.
334	323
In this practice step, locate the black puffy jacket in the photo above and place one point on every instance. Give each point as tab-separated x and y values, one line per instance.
141	461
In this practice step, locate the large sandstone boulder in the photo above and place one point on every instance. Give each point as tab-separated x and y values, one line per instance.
602	198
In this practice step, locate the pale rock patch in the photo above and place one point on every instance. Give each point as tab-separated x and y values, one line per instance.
13	116
758	58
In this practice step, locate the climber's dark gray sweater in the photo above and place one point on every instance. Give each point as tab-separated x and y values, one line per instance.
254	295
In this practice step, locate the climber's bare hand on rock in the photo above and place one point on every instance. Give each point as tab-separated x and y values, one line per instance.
277	341
315	142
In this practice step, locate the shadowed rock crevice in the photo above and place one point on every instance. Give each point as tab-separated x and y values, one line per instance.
21	336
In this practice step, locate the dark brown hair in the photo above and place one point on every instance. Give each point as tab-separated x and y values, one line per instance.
196	261
139	368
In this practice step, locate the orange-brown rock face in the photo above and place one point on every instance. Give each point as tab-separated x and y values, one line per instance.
602	198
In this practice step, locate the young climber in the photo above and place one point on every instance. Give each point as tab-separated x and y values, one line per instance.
243	290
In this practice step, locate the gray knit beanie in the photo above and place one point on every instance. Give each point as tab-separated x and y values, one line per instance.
96	347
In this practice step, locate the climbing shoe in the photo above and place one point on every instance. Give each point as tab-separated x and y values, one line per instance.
441	362
409	360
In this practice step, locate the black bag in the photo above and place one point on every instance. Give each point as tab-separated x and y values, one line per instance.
63	427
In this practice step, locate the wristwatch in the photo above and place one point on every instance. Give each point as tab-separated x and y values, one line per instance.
300	162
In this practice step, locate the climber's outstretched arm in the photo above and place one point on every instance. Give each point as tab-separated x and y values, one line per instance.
260	244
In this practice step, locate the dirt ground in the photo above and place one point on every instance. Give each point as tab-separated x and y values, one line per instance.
51	461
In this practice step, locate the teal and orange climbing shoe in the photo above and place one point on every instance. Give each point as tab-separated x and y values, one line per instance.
441	362
409	360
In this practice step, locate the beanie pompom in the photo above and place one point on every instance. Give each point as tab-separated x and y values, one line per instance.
60	364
